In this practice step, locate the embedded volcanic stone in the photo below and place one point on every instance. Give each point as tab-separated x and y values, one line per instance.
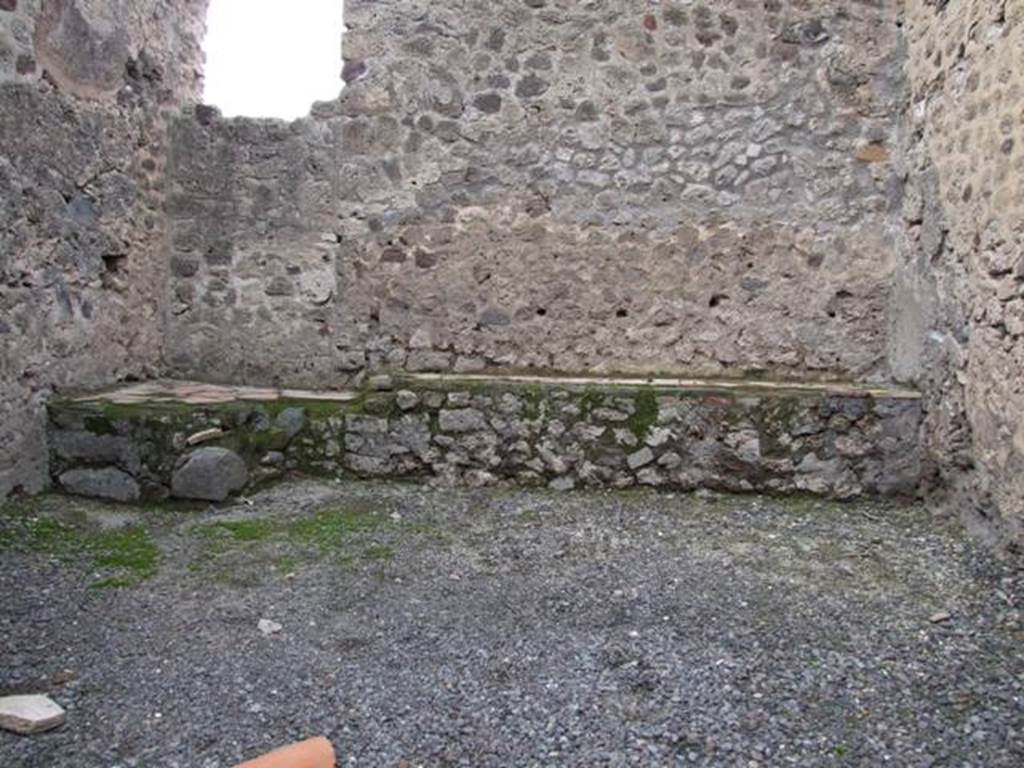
407	400
210	474
291	421
488	102
353	70
90	448
30	714
641	458
531	86
462	420
107	483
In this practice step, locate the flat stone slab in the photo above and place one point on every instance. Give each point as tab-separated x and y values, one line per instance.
196	393
30	714
833	388
831	439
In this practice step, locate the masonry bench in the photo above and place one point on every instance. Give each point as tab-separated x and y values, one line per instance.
203	441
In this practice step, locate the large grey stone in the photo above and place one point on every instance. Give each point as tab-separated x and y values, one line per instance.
79	446
412	434
291	421
462	420
407	400
210	474
106	483
30	714
373	466
365	425
641	458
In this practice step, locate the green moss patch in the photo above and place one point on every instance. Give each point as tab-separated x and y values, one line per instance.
535	395
240	530
330	530
40	535
588	401
122	557
314	409
379	552
646	414
130	554
243	551
131	411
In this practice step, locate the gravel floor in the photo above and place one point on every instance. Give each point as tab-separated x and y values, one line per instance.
511	628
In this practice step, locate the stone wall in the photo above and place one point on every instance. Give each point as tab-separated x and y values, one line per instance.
198	441
960	287
85	89
773	189
604	186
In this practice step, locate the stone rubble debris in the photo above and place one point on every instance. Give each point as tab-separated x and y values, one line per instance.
30	714
268	627
205	436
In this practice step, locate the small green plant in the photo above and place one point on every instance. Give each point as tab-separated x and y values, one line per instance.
285	544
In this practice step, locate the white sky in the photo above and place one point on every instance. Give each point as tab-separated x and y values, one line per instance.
265	58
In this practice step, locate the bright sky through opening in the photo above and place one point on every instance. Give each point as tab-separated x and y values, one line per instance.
265	58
